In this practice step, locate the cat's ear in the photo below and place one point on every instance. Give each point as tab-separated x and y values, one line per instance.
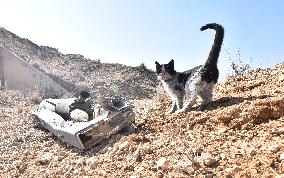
171	63
157	64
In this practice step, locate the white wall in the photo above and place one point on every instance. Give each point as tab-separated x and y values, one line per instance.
15	73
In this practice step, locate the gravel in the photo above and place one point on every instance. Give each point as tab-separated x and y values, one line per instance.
239	135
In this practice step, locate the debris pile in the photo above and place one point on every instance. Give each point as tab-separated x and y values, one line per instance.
240	134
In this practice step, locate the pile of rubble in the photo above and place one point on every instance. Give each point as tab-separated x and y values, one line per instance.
74	72
241	134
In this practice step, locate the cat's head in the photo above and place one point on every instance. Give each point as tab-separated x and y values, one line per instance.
165	71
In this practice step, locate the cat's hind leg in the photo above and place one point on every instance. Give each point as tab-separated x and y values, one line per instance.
173	108
177	101
190	97
206	95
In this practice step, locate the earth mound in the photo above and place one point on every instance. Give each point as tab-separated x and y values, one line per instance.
239	135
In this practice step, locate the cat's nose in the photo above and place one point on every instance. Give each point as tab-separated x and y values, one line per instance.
161	75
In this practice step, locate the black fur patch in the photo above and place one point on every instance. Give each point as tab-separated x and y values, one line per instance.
209	74
179	88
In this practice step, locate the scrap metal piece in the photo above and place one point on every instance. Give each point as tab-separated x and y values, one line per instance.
83	135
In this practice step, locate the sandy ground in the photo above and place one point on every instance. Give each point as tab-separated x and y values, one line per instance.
241	134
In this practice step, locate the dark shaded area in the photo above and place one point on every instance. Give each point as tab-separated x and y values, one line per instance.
229	101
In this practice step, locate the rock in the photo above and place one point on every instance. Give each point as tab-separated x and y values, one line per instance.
139	169
207	159
61	155
49	134
233	170
115	147
60	158
208	176
20	165
137	156
252	152
132	148
228	176
146	149
162	163
26	152
78	115
274	148
44	159
184	164
93	162
152	136
48	144
281	78
281	166
223	156
281	157
124	145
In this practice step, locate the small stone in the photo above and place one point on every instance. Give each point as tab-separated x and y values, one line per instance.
184	164
281	157
20	165
6	136
281	78
132	148
208	159
49	134
162	163
93	162
137	156
252	152
228	175
152	136
237	168
76	171
60	158
26	152
274	148
223	156
102	173
233	170
48	144
208	176
147	149
61	153
124	145
281	166
115	147
45	159
139	169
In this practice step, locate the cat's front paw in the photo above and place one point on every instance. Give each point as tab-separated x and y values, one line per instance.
169	112
172	110
202	107
179	111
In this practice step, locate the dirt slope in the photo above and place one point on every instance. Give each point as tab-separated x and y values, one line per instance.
240	135
74	72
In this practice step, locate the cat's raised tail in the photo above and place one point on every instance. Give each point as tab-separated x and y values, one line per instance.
216	47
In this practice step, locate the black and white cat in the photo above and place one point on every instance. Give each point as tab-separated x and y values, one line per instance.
197	81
